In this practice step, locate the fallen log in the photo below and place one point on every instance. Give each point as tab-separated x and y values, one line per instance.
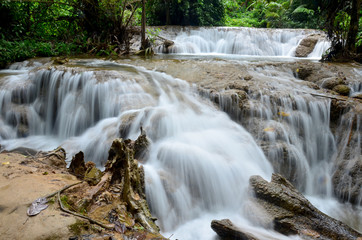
289	213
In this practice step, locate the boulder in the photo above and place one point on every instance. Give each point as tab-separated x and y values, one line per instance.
93	175
342	89
303	72
307	45
330	83
291	213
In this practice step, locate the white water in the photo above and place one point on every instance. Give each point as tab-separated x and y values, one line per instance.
242	41
196	150
200	160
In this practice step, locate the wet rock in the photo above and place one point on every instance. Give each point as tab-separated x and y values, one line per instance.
330	83
342	89
303	72
291	213
77	166
93	175
285	161
126	124
359	96
307	45
22	130
23	95
347	180
60	60
338	108
227	230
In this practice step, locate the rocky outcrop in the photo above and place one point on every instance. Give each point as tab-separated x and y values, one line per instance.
347	172
307	45
280	205
347	180
342	89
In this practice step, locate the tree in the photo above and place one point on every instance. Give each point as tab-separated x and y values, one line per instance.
188	12
342	18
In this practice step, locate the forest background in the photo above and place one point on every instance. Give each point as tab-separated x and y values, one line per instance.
44	28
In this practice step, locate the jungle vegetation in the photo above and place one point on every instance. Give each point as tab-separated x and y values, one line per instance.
30	28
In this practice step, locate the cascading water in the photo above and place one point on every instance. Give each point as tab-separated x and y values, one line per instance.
200	160
241	41
196	150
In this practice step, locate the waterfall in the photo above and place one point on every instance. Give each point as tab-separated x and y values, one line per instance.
240	41
200	158
320	49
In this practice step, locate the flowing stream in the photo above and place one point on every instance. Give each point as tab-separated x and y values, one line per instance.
241	41
202	154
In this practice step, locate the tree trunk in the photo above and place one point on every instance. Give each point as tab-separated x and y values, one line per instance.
353	26
168	18
143	26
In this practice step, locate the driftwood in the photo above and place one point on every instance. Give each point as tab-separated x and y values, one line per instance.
279	205
110	226
227	230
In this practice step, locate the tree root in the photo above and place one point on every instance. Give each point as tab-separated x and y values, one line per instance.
109	227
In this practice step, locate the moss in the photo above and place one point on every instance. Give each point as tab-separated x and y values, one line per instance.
342	89
64	199
51	200
78	227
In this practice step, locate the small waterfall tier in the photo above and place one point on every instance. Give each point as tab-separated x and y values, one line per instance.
240	41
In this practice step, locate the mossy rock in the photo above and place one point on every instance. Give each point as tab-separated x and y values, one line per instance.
342	89
93	175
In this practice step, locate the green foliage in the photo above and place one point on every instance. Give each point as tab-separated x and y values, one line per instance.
12	51
273	14
153	34
189	12
359	34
